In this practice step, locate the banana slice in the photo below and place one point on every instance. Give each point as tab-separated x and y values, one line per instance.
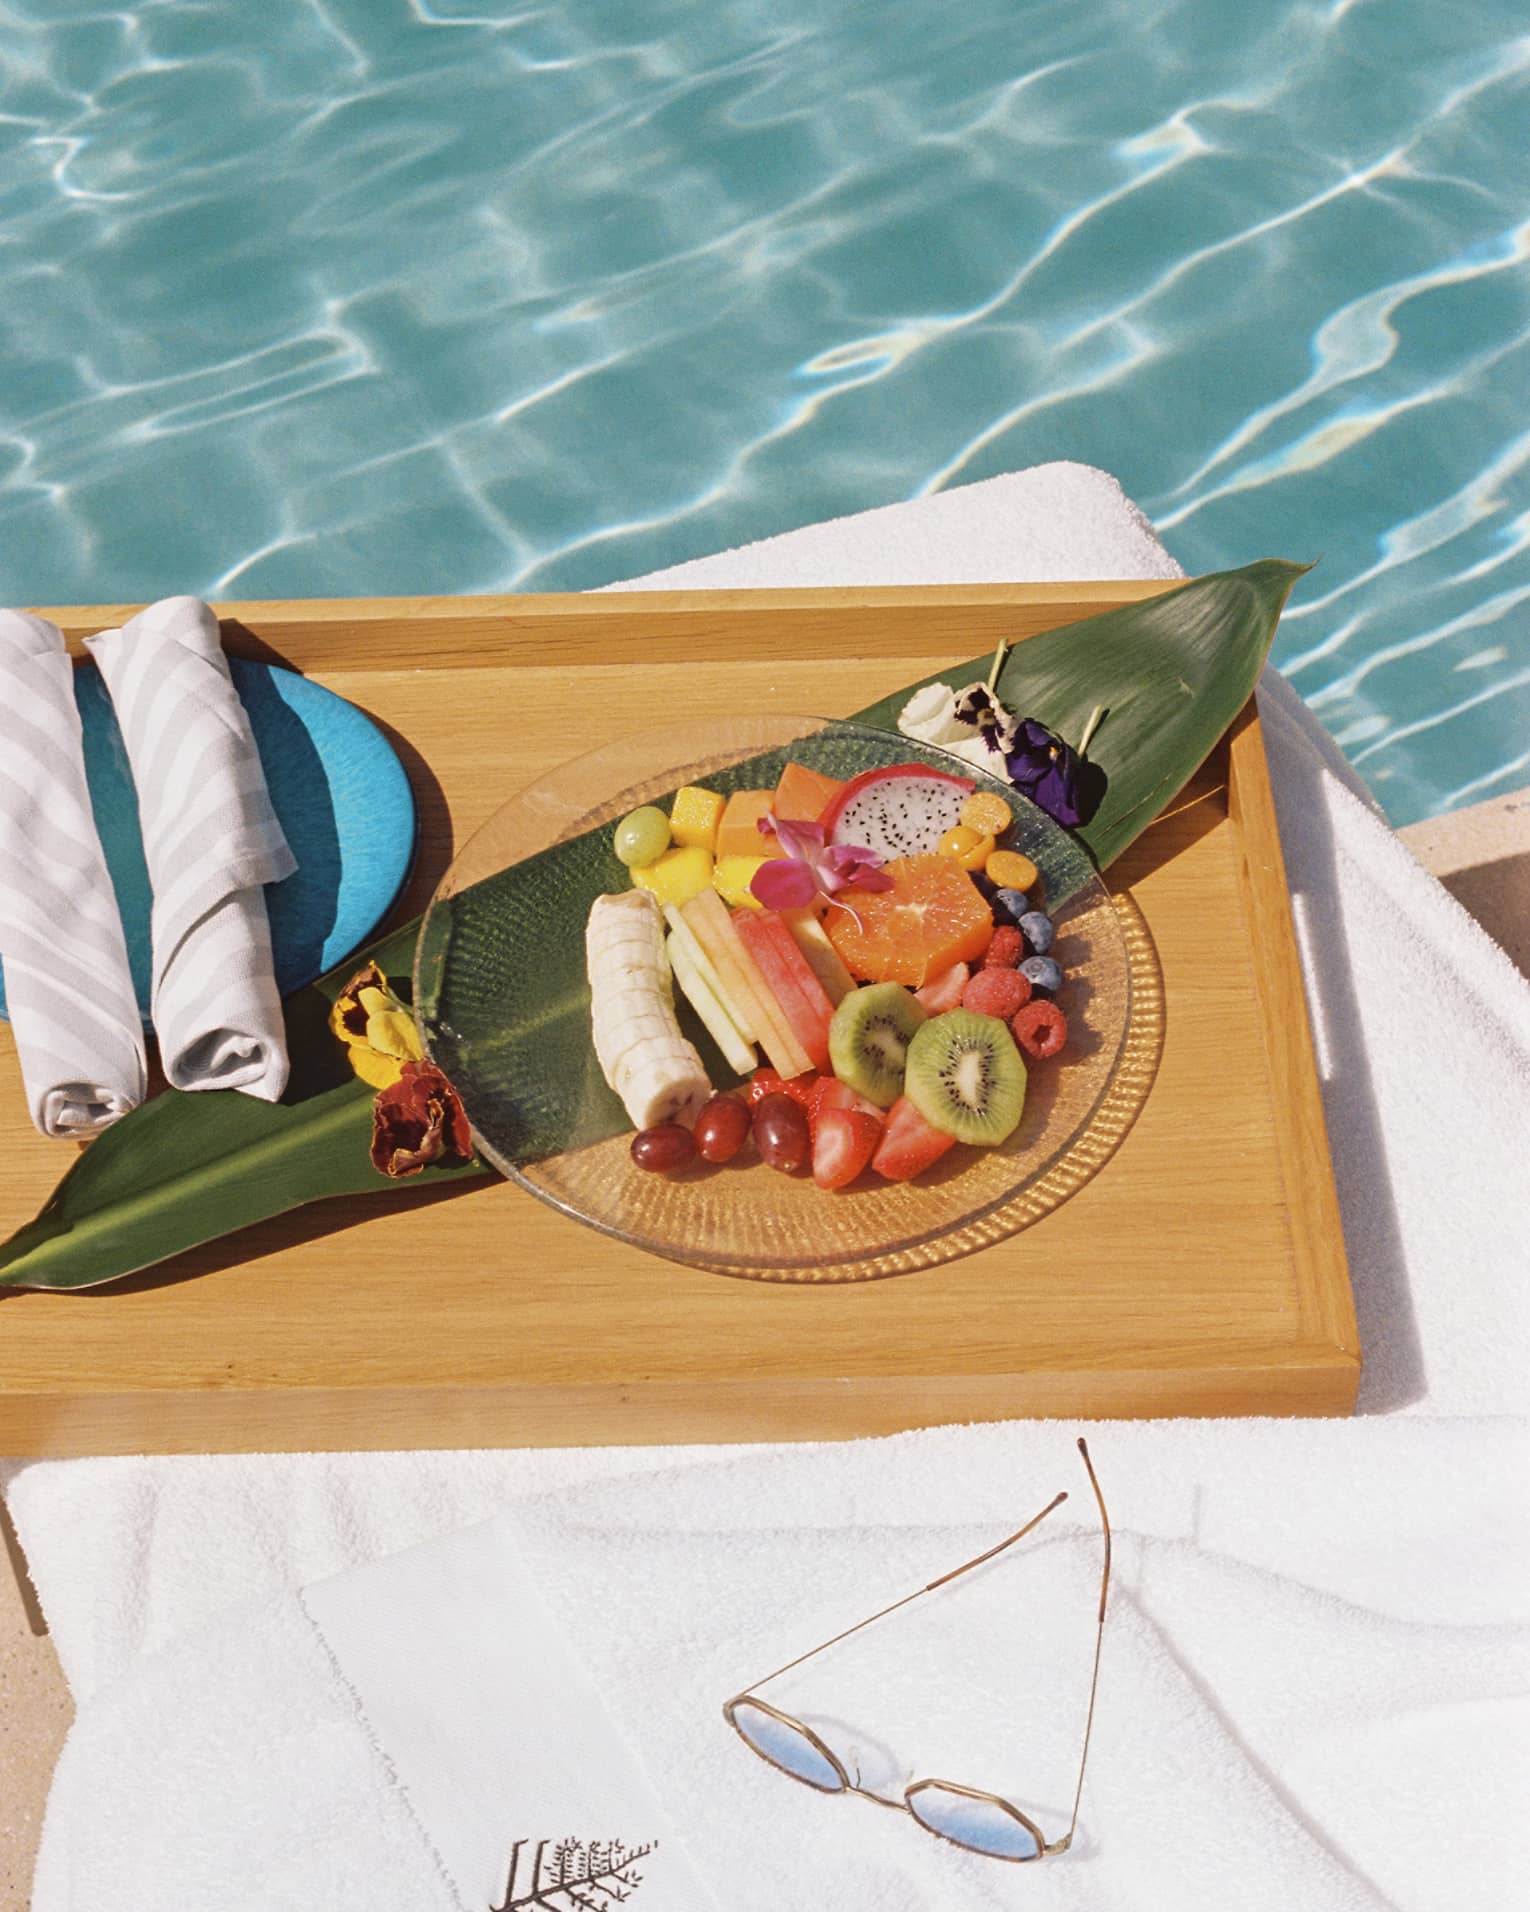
642	1054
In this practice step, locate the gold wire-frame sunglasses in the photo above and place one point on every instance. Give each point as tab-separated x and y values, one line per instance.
979	1821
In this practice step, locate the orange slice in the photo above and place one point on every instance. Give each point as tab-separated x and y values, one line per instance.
933	917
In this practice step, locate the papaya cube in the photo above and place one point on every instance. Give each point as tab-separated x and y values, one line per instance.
678	875
739	832
803	795
694	816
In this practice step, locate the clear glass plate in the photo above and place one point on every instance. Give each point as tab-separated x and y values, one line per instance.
501	994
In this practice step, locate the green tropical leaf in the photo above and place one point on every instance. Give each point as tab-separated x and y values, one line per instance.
187	1168
1172	672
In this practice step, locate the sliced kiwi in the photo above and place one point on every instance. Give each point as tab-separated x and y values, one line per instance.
965	1076
869	1038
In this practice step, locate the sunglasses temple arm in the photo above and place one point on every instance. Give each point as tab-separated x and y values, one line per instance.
1099	1641
918	1593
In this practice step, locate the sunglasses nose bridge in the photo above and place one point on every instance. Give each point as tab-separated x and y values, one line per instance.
892	1805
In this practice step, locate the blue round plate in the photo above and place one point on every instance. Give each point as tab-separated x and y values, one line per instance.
338	788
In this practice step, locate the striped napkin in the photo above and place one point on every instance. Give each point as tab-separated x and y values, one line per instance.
211	841
68	990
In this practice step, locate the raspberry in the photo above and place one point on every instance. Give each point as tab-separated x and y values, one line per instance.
996	992
1006	949
1041	1029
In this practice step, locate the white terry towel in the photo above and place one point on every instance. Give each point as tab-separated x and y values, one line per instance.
1312	1690
211	840
68	989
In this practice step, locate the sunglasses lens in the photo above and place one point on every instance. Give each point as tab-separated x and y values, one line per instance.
982	1825
786	1746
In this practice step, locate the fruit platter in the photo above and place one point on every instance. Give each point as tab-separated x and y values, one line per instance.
812	1003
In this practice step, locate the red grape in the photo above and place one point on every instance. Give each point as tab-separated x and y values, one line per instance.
664	1148
722	1128
781	1134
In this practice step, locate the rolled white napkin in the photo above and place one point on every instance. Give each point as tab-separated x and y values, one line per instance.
211	841
68	989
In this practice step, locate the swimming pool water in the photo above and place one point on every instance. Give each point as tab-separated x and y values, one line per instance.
334	297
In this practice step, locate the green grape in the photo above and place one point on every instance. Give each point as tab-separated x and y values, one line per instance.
642	837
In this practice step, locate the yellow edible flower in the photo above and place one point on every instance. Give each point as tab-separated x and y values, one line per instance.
377	1029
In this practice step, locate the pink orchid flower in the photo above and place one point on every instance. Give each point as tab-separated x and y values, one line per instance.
810	866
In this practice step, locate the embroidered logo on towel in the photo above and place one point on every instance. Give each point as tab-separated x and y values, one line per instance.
593	1877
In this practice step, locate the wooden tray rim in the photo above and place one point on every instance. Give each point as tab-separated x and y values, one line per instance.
443	633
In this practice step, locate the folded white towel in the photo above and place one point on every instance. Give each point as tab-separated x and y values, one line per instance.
78	1032
211	840
513	1766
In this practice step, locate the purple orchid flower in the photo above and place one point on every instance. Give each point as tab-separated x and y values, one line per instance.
810	865
1053	775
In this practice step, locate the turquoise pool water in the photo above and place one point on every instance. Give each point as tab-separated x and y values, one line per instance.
356	296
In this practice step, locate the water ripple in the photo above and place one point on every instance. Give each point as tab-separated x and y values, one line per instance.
324	297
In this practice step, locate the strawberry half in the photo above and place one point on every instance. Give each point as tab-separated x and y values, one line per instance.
944	991
844	1141
830	1093
765	1081
909	1144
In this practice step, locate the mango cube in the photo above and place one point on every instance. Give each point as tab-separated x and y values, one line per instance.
731	877
694	816
678	875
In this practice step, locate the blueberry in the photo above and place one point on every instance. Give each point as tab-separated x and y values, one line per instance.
1036	927
1044	975
1014	903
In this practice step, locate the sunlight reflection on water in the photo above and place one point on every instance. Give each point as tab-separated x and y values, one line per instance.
331	299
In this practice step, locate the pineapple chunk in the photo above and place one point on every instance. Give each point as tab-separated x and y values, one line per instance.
678	875
731	877
694	817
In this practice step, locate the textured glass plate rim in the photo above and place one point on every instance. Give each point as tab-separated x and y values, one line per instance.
1077	1156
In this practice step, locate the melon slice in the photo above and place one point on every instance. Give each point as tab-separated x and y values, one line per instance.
823	958
684	939
708	917
719	1025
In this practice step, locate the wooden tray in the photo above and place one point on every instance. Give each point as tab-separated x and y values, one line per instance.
1200	1272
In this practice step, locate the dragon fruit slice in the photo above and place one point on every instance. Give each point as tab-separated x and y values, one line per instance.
902	811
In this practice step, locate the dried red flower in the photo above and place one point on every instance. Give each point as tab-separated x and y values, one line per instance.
416	1120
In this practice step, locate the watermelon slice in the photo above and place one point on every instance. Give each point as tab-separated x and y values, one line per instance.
790	979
